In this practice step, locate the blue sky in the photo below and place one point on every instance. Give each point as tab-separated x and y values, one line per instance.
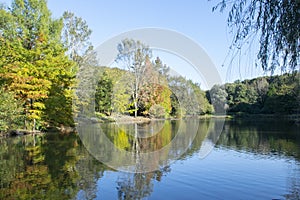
194	19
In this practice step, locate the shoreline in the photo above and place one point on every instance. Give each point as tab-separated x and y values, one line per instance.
247	116
230	116
125	119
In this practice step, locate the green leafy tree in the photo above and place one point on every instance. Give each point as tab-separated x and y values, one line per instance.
276	94
103	95
240	93
217	97
282	97
178	97
187	97
121	89
27	81
200	100
76	38
157	111
162	69
261	85
10	111
35	65
23	71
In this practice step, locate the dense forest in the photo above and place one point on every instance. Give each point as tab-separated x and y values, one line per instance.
263	95
41	58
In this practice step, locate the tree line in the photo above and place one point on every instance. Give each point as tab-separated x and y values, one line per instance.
149	90
41	58
263	95
141	86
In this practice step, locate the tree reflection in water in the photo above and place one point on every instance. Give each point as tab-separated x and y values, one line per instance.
138	185
56	166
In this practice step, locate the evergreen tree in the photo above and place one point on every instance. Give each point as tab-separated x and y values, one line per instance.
103	95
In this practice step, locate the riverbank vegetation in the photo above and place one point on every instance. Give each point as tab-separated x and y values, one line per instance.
263	95
41	58
39	61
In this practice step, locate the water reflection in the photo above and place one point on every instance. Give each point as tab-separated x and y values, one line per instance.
55	166
262	137
138	185
124	149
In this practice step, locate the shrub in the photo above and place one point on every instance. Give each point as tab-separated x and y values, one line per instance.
157	111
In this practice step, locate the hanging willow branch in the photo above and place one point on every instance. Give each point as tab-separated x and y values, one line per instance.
277	23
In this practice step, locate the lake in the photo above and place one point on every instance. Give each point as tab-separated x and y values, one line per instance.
250	160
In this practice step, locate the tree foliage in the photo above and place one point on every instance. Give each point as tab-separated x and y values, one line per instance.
276	22
35	65
158	94
10	111
217	96
270	95
103	95
133	54
118	87
75	36
154	90
76	39
187	97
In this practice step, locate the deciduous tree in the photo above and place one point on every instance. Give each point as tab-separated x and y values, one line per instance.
133	55
35	66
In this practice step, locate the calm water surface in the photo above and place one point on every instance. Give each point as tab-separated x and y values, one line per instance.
251	160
